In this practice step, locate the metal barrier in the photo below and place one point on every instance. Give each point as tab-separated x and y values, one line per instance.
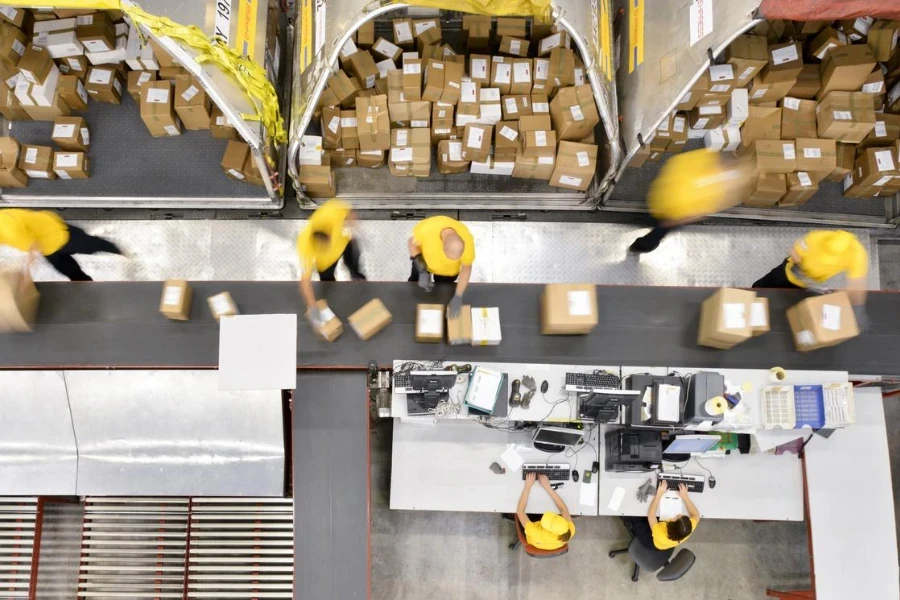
18	518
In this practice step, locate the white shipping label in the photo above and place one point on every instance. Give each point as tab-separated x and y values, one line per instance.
85	136
65	161
74	64
37	174
502	73
805	338
759	93
540	107
566	179
509	133
423	26
541	68
475	137
824	51
678	124
894	39
412	68
880	129
348	122
117	85
171	130
805	181
720	88
430	322
549	43
757	314
479	68
467	92
9	12
349	48
710	110
885	160
746	73
701	19
812	153
386	48
370	81
579	76
874	87
172	296
63	131
540	138
842	115
455	151
188	93
862	24
515	47
62	174
419	124
442	114
831	317
326	314
788	151
579	301
220	302
18	47
31	156
409	56
12	81
490	94
82	93
402	137
236	174
701	123
99	76
576	113
402	32
882	181
511	105
733	315
848	181
785	55
583	159
721	72
548	160
791	103
333	124
401	155
157	96
522	72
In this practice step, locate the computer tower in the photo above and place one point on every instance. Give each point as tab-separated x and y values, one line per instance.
702	386
632	450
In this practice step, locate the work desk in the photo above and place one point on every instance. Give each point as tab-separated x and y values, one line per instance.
118	325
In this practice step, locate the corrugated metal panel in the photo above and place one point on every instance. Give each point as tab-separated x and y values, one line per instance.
18	517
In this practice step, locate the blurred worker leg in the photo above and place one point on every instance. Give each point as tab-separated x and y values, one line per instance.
81	242
351	259
776	278
68	266
651	241
445	278
639	528
328	274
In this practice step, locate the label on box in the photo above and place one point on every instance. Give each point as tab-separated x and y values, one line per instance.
583	159
348	121
710	110
882	181
576	113
467	92
788	151
386	48
172	296
831	317
548	160
757	315
402	137
370	81
733	315
63	131
456	151
423	26
475	137
746	73
85	136
873	88
453	84
759	93
448	51
412	68
12	81
418	124
509	133
824	51
326	314
187	94
9	12
490	95
171	130
65	161
579	300
402	32
884	160
805	338
84	20
548	43
511	105
678	124
37	174
31	156
701	123
479	68
96	45
236	174
720	88
157	96
540	138
843	115
99	76
502	73
442	114
430	322
333	124
791	103
812	153
579	76
805	181
220	304
522	72
348	49
540	107
848	181
515	47
401	155
541	68
785	55
880	129
18	47
566	179
862	24
82	93
62	174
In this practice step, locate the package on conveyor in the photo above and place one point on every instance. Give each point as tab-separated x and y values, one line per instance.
449	157
430	323
764	91
845	69
574	113
801	187
71	165
176	300
808	83
817	157
874	168
135	79
886	131
19	301
575	166
492	166
822	321
536	137
798	118
71	133
37	161
428	32
104	84
222	305
192	104
459	329
748	54
773	156
382	49
139	53
827	39
568	309
477	31
331	327
486	326
468	107
765	190
477	142
727	139
96	32
511	26
726	318
10	173
370	159
847	117
317	181
235	159
489	106
58	37
762	123
72	92
158	109
506	140
373	123
513	46
11	108
410	154
370	319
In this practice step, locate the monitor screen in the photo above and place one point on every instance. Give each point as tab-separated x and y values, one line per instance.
590	405
692	444
559	436
432	382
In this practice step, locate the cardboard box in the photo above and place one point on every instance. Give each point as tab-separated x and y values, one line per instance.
510	26
14	16
157	109
252	174
559	39
886	131
97	36
72	91
574	113
540	104
192	105
817	156
808	83
370	319
845	69
373	123
798	118
449	157
759	316
521	76
763	92
365	35
568	309
748	54
453	76
722	78
514	46
540	69
706	117
370	159
433	87
822	321
846	158
540	168
727	139
317	181
766	190
71	165
506	140
856	29
19	301
10	173
882	39
575	166
104	84
385	49
477	142
134	81
428	31
344	88
71	133
493	166
478	35
342	158
800	189
459	330
58	108
349	130
763	123
410	154
773	156
36	64
725	318
331	327
331	128
362	65
785	63
501	74
486	326
876	167
827	39
845	116
538	143
37	161
234	161
430	323
222	305
220	127
738	108
562	68
403	33
410	114
177	296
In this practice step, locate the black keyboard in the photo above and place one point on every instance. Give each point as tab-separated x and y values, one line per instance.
401	380
554	472
593	381
694	483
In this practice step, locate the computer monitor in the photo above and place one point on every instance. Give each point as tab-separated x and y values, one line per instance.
556	439
602	406
421	381
691	444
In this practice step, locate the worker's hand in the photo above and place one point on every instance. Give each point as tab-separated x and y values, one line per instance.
545	482
862	318
663	488
315	317
424	276
455	306
682	490
530	478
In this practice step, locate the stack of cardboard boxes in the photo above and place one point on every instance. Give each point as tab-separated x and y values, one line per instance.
806	102
510	106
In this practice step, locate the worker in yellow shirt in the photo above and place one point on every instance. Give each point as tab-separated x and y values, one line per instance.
45	233
442	247
553	531
326	239
662	535
690	187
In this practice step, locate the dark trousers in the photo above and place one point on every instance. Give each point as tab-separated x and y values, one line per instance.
776	278
351	259
651	241
80	242
414	276
639	529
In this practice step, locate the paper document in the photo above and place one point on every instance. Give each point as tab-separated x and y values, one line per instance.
615	502
670	506
512	459
588	495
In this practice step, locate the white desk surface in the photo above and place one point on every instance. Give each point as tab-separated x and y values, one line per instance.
445	465
542	408
851	508
258	352
750	486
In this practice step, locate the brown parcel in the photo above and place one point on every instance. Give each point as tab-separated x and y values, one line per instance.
521	76
513	46
477	142
449	157
317	181
222	305
818	157
71	165
10	173
459	330
706	117
175	303
192	104
349	132
434	81
533	168
157	110
574	113
403	33
562	68
845	69
18	301
430	323
785	63
331	127
827	39
71	133
235	159
344	88
575	166
370	319
845	116
749	54
36	64
876	167
822	321
362	65
538	143
801	188
759	316
725	318
882	39
886	131
428	31
511	26
763	123
773	156
798	118
766	190
568	309
220	127
506	141
104	84
37	161
134	81
846	157
808	83
763	92
11	108
373	124
410	154
331	327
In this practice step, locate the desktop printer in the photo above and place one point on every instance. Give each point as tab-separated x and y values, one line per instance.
651	383
633	450
702	387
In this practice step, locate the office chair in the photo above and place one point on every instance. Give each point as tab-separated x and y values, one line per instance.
651	559
529	549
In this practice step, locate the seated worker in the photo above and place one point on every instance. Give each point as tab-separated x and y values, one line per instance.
442	247
322	243
818	261
663	535
553	531
691	186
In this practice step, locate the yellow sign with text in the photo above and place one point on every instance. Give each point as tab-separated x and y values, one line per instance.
635	34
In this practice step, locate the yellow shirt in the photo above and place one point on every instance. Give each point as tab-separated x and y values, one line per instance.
542	539
689	185
825	255
661	538
427	234
22	229
329	218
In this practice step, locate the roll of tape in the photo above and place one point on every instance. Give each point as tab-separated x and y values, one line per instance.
777	374
716	406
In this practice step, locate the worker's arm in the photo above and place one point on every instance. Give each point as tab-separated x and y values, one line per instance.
414	248
856	289
306	289
688	503
523	500
654	505
559	502
462	283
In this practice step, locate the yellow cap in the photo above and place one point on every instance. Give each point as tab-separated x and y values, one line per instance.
825	253
691	184
554	523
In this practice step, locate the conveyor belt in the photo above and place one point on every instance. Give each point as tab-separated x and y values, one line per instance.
118	325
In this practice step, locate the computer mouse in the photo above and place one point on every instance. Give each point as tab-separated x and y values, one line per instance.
595	468
544	387
575	475
712	482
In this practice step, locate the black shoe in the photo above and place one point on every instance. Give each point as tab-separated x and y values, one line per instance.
639	246
358	277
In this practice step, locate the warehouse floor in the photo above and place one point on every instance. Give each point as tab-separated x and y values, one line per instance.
457	555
